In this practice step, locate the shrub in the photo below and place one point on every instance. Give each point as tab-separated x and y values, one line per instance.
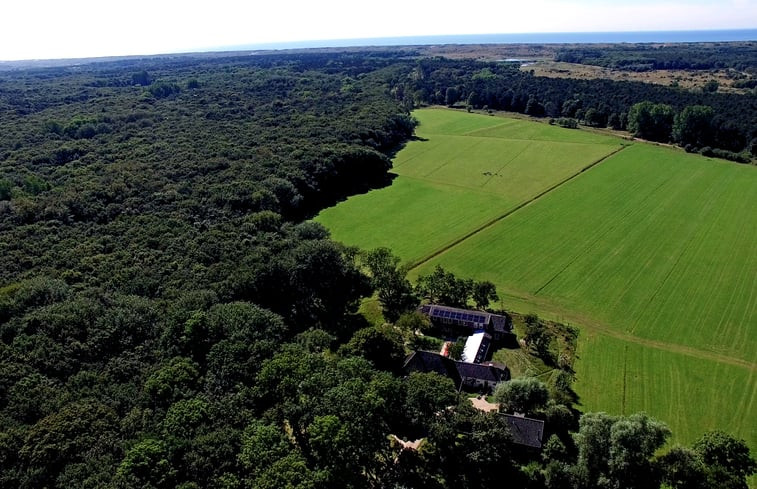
160	89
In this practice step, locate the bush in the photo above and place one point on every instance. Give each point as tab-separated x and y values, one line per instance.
162	89
567	122
726	155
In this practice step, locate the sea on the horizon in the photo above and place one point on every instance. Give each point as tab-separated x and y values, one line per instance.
526	38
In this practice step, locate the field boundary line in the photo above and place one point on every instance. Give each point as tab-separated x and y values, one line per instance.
442	183
605	232
415	264
506	122
625	375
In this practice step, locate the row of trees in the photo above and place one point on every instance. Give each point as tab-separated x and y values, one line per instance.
739	56
397	295
694	128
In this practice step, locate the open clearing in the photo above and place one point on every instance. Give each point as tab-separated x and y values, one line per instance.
651	252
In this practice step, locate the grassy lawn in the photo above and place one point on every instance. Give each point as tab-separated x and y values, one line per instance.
412	217
451	184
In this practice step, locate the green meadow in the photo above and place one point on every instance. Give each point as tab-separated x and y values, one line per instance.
651	252
652	242
689	393
454	180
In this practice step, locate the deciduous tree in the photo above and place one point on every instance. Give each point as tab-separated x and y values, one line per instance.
524	395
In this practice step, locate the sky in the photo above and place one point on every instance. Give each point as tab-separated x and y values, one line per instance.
41	29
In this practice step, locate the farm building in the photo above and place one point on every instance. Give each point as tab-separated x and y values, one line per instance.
525	431
477	347
468	376
468	321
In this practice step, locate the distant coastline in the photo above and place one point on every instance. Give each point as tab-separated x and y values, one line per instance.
524	38
544	38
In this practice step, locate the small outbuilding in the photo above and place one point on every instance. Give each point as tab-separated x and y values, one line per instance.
525	431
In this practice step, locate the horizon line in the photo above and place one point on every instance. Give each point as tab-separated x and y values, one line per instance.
420	40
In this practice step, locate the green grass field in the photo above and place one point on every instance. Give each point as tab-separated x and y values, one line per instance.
403	211
656	243
651	252
451	183
691	394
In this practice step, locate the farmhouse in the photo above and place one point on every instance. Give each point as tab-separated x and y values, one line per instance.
467	321
468	376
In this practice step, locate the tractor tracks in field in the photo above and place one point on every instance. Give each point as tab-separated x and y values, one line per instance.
495	220
593	326
671	347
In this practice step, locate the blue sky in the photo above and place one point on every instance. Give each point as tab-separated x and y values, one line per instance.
78	28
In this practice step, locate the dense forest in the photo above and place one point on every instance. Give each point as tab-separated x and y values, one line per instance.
738	56
169	318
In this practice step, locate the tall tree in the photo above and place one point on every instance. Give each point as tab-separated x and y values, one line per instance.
395	293
618	451
451	96
524	395
693	126
727	460
445	288
651	121
483	293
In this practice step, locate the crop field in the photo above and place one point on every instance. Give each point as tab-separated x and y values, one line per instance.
455	181
651	252
654	242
